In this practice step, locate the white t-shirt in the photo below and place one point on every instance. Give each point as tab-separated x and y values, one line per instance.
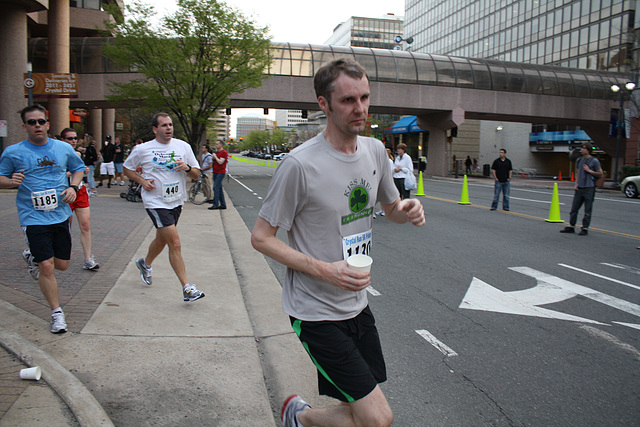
325	199
158	162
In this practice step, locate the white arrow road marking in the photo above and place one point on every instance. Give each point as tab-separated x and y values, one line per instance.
549	289
614	302
483	296
442	347
620	282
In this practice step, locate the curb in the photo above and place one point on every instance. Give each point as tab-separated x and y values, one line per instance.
85	407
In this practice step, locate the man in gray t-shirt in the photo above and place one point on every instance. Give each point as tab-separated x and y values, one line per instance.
323	193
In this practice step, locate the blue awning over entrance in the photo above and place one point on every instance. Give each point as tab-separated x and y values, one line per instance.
406	125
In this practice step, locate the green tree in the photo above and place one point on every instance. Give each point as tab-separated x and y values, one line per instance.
190	63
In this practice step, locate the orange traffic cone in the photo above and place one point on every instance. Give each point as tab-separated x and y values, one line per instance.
572	179
559	175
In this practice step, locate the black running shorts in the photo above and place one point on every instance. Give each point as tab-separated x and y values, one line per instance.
347	355
49	241
165	217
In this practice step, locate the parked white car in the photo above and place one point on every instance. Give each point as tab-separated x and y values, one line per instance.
279	156
630	186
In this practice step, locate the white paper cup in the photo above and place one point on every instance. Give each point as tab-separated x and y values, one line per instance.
360	262
31	373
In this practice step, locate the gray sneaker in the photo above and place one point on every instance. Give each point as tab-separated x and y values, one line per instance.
32	266
190	293
290	410
58	323
145	272
90	264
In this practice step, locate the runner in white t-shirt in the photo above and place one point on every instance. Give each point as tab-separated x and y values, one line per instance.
166	164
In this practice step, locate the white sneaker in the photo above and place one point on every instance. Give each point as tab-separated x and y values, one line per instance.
32	266
121	182
58	323
190	293
290	410
90	264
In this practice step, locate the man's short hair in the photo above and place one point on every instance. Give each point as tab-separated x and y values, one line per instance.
154	120
402	146
30	108
65	131
589	147
328	73
505	151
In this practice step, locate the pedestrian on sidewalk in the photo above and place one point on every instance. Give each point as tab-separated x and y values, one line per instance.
502	171
118	161
38	167
207	167
323	193
220	160
588	171
166	164
90	159
403	166
107	167
81	207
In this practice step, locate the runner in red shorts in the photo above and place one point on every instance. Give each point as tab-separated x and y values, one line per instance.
81	208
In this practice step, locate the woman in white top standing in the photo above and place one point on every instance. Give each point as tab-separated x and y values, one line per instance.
403	166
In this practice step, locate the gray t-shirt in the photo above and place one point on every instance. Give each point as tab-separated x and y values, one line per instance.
586	180
325	200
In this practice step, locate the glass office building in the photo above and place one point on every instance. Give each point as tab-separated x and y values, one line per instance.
583	34
588	34
377	33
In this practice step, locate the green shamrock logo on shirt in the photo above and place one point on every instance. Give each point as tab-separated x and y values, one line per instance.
358	199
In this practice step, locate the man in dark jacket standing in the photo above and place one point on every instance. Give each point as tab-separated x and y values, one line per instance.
502	171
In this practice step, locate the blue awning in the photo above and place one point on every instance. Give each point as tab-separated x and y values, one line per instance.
406	125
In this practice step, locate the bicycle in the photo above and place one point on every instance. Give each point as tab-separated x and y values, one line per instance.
200	191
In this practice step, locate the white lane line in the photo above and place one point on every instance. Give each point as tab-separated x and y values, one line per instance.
535	201
372	291
620	282
442	347
610	338
622	267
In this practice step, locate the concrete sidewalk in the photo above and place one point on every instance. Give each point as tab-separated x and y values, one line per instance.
145	357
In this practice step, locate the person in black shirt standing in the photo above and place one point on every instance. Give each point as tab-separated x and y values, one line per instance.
502	171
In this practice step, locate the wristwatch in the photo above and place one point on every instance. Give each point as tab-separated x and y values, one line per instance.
75	187
189	170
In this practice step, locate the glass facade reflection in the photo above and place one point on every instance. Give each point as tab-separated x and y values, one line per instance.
377	33
588	34
386	66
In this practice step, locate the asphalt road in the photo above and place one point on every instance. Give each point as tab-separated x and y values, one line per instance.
496	318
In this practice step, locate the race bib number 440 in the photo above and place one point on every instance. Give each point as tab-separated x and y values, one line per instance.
355	244
171	191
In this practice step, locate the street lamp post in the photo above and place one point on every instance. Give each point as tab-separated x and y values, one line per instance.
622	93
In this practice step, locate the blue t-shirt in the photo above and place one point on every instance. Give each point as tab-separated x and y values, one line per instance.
45	168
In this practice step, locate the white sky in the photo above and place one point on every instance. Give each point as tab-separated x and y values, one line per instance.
299	22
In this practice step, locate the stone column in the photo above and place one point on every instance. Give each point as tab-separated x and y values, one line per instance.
58	32
13	51
108	123
95	127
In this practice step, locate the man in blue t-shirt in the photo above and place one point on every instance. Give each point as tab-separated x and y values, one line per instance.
38	167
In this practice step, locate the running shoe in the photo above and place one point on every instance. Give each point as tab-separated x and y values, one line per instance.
32	266
58	323
145	271
91	264
190	293
290	410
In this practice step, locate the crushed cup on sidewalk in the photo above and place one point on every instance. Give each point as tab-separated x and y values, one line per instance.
31	373
360	262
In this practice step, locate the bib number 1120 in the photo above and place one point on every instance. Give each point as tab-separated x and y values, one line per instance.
357	244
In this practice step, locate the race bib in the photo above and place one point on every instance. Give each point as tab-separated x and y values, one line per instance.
171	191
45	201
355	244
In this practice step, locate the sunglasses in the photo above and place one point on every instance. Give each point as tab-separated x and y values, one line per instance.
32	122
71	137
